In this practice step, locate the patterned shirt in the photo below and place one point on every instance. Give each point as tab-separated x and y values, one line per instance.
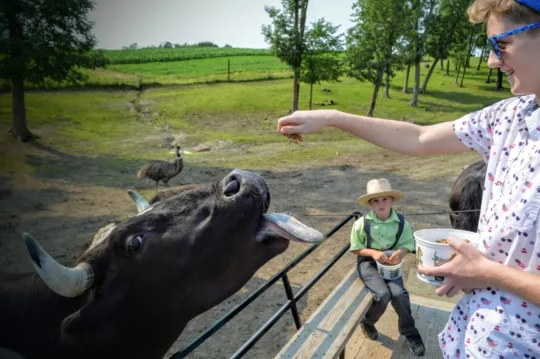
490	322
383	233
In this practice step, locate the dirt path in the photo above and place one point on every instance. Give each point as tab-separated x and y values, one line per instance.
63	212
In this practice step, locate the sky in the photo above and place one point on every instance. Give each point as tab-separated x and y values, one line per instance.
235	22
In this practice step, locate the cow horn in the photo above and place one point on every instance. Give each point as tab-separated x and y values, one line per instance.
67	282
140	202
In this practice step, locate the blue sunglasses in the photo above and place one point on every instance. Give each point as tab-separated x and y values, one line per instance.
492	41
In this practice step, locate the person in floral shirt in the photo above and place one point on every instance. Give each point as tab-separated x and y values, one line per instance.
499	315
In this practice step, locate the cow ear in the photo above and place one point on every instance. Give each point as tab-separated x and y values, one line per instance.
95	323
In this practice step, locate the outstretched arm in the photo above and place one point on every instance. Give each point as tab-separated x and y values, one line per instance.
397	136
470	269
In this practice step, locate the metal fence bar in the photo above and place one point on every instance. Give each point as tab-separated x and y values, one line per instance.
290	296
288	305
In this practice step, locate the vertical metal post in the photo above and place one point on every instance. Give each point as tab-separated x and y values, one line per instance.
290	296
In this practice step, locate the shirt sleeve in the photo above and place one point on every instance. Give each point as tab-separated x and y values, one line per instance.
358	237
406	240
475	130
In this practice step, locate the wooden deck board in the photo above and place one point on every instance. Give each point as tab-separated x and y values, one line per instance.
430	316
329	328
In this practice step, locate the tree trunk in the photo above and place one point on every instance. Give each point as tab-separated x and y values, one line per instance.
428	76
442	64
406	86
416	90
377	84
462	77
457	73
386	93
373	100
299	26
19	128
481	59
499	85
310	95
489	75
448	67
296	90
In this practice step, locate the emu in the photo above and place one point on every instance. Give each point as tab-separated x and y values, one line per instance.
466	194
161	170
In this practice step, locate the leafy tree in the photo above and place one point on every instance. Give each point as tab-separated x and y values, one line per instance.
132	46
167	45
321	55
446	28
286	37
422	13
206	44
372	40
40	40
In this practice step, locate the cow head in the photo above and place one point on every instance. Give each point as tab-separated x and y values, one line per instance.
172	261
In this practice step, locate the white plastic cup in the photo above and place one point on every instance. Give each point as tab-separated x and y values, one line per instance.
429	253
390	272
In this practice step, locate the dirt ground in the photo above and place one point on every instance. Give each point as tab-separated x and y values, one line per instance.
63	212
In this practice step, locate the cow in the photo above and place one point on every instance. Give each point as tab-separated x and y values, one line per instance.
135	288
466	195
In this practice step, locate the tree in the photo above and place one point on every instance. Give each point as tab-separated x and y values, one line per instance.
286	37
499	84
372	40
442	37
132	46
40	40
422	17
321	55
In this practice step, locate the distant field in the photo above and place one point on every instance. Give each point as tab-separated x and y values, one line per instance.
141	56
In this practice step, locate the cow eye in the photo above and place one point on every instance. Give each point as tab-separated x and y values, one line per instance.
134	243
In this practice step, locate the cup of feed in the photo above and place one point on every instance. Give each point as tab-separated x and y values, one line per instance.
432	250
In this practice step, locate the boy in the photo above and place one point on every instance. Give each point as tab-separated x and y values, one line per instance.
379	230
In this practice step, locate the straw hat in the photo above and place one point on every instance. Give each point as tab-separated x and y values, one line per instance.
379	187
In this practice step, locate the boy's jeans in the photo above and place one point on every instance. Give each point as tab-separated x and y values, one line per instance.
384	292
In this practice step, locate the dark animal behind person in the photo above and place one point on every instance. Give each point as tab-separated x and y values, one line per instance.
466	195
161	170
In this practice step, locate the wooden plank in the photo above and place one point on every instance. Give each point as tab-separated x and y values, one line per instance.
327	330
430	317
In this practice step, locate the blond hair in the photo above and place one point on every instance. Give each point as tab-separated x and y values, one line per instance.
480	11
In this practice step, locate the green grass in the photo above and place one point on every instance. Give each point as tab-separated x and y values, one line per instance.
238	118
176	54
204	67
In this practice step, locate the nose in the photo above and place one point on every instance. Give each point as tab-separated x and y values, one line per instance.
493	61
239	180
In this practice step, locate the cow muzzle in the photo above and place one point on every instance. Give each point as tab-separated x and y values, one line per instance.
67	282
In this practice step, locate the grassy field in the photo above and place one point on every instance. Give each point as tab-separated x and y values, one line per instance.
176	54
118	124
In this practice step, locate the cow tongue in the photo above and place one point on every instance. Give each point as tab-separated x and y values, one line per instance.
283	225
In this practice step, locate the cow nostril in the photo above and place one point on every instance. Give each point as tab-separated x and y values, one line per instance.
232	188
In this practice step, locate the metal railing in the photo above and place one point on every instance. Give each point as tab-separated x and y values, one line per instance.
290	304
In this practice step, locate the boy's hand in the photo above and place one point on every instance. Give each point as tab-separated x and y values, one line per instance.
397	256
380	257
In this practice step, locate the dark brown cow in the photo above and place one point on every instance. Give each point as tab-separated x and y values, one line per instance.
136	287
466	194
